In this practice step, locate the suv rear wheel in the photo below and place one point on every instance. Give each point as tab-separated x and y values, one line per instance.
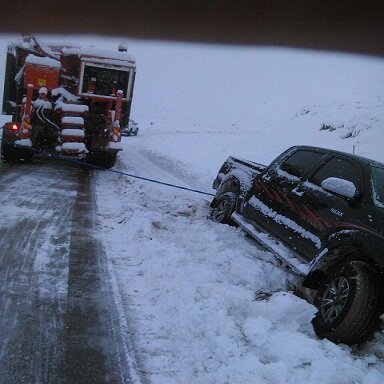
350	302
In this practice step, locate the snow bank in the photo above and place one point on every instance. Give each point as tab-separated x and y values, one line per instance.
189	285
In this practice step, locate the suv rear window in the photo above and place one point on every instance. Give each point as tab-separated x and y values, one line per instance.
378	184
300	162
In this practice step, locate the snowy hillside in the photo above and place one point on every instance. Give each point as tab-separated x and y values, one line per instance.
200	150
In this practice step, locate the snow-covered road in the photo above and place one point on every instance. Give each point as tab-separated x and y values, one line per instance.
58	321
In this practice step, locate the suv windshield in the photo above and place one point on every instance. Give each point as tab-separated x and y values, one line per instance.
378	184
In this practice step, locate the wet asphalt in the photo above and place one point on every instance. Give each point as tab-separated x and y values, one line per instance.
57	319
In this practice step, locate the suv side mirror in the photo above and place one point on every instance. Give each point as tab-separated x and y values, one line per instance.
344	188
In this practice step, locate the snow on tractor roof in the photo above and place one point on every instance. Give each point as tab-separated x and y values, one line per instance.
53	51
98	53
45	61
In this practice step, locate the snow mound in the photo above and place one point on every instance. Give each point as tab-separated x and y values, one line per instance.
189	286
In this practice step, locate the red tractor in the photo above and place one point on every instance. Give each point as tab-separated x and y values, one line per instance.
66	100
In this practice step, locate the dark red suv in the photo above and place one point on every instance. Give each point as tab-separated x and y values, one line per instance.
326	210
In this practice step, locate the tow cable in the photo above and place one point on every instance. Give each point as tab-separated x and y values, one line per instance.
83	163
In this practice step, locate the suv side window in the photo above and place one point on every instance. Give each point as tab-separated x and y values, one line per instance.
340	168
300	162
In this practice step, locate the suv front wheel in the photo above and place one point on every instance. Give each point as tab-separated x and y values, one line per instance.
350	302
